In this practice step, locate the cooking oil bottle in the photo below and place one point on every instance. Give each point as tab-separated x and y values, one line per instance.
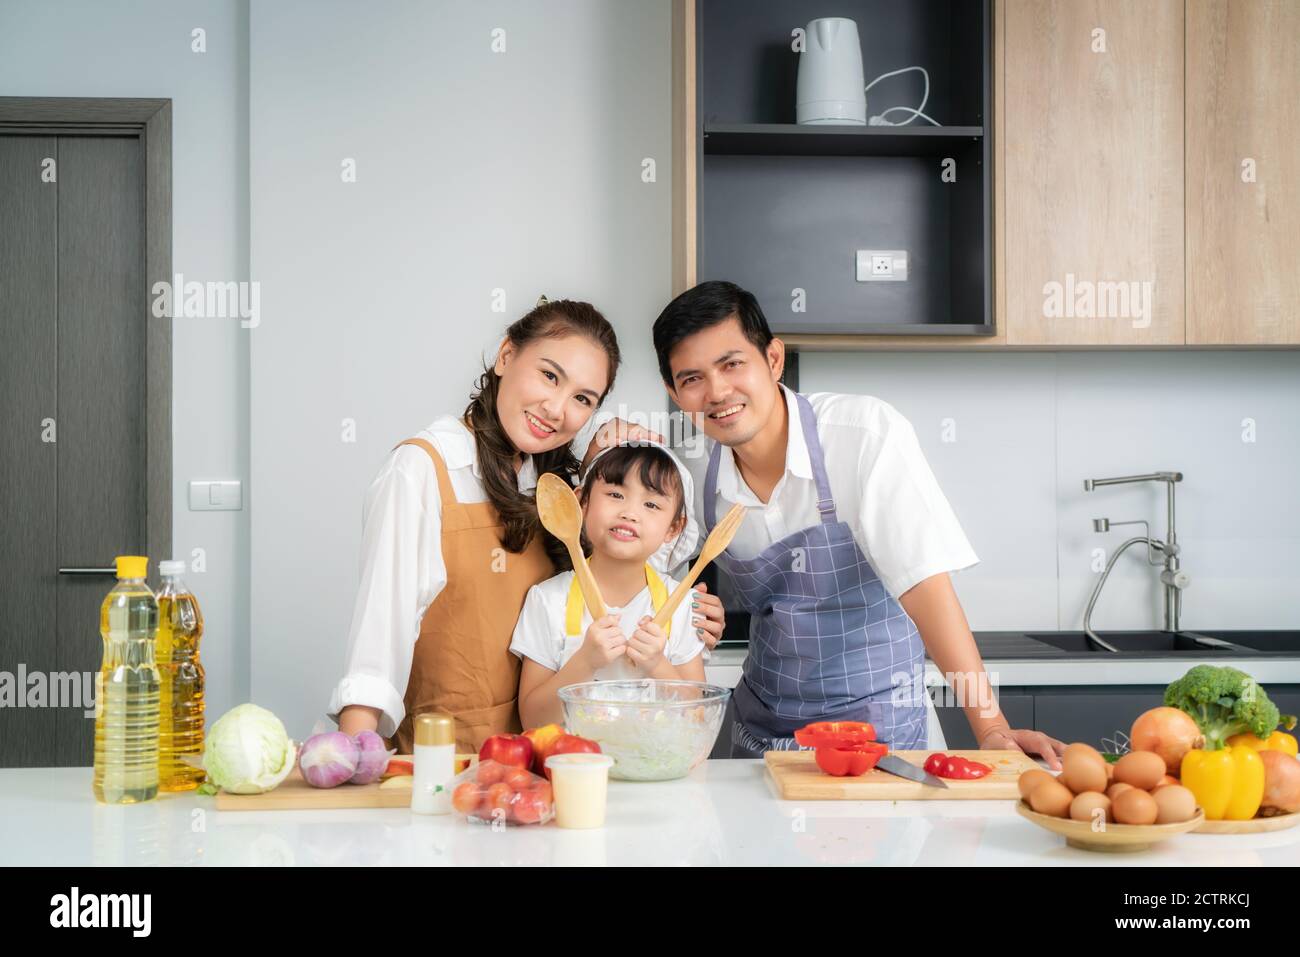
126	700
180	706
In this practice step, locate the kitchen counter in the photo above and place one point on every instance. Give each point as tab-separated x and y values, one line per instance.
725	812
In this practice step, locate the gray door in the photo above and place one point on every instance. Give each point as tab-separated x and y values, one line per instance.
73	303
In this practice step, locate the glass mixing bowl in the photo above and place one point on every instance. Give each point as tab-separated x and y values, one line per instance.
654	729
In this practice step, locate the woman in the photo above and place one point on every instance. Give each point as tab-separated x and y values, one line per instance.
452	541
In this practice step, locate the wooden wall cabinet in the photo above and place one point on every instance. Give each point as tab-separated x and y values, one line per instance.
1123	210
1243	172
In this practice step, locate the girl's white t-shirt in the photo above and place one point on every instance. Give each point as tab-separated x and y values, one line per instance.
540	631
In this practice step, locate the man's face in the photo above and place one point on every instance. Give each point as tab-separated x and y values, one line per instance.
725	383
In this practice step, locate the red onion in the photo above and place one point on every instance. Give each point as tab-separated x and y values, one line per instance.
373	757
329	759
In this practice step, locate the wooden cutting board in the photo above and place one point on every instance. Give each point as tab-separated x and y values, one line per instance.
798	778
295	794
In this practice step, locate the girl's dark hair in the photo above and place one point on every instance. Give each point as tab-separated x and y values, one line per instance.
653	466
518	512
701	307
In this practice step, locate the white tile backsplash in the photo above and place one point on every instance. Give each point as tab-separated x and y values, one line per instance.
1030	427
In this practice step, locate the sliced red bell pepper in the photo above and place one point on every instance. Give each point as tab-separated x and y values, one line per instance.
835	734
955	767
850	762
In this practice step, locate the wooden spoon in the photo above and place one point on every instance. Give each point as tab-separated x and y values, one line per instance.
714	546
562	515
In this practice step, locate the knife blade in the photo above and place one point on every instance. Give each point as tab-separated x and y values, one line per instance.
892	764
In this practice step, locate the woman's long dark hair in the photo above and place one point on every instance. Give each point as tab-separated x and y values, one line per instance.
496	453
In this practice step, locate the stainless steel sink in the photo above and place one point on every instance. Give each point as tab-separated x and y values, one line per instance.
1149	643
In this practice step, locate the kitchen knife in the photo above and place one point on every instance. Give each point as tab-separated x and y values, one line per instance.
892	764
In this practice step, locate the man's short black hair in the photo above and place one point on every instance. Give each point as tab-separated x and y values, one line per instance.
705	305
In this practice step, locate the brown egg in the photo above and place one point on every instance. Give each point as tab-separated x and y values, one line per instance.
1174	803
1087	750
1142	769
1086	805
1051	797
1164	782
1134	806
1031	779
1080	772
1116	789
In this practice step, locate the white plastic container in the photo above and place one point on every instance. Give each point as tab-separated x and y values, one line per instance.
580	783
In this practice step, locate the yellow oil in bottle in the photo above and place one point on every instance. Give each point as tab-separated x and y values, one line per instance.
126	701
180	711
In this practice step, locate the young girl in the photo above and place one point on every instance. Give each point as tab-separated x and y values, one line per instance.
634	502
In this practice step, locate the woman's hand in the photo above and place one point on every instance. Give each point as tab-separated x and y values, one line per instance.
603	642
618	432
707	616
645	648
1024	740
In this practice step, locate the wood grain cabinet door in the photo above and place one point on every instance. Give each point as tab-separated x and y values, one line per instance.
1243	172
1094	172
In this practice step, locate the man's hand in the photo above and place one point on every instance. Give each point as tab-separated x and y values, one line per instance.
645	648
707	616
618	432
603	642
1027	741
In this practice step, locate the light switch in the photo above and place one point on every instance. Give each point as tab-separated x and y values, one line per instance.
216	496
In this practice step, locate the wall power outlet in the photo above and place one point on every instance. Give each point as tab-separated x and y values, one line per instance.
882	265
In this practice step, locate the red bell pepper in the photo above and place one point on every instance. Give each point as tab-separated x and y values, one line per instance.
851	761
955	767
835	734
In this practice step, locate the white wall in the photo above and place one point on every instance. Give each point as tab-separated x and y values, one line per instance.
1030	427
143	49
475	170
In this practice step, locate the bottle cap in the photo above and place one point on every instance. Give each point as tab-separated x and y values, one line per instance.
132	566
435	729
171	567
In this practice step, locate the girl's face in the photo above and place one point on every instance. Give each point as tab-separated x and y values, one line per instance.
629	521
548	390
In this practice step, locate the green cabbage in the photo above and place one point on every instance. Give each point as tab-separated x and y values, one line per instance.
248	751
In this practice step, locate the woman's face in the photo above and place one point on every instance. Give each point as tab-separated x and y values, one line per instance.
548	390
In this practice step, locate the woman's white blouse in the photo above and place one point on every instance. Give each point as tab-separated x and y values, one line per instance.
402	568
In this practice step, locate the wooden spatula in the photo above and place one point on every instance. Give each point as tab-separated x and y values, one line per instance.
562	515
714	546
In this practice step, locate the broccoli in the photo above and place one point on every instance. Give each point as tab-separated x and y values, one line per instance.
1224	701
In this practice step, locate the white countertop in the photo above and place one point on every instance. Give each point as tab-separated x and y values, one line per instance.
725	812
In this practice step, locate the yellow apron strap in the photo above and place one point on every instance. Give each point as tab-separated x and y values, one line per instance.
574	605
573	609
658	594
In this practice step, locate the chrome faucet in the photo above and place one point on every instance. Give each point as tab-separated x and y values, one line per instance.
1173	577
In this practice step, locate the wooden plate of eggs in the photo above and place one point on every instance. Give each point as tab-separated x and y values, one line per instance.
1099	806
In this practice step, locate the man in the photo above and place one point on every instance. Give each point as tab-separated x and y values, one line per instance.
843	557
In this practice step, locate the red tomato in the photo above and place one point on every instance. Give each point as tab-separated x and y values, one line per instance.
571	744
519	779
489	772
543	790
934	763
466	797
529	808
951	767
499	798
514	750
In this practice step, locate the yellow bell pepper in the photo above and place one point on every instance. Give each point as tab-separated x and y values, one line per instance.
1228	783
1277	741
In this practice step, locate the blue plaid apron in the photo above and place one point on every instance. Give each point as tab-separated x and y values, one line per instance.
827	641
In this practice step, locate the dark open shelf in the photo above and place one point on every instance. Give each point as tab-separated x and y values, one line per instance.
783	209
789	139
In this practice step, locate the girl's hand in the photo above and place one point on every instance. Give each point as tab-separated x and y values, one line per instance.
707	617
645	648
618	432
603	642
1025	740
